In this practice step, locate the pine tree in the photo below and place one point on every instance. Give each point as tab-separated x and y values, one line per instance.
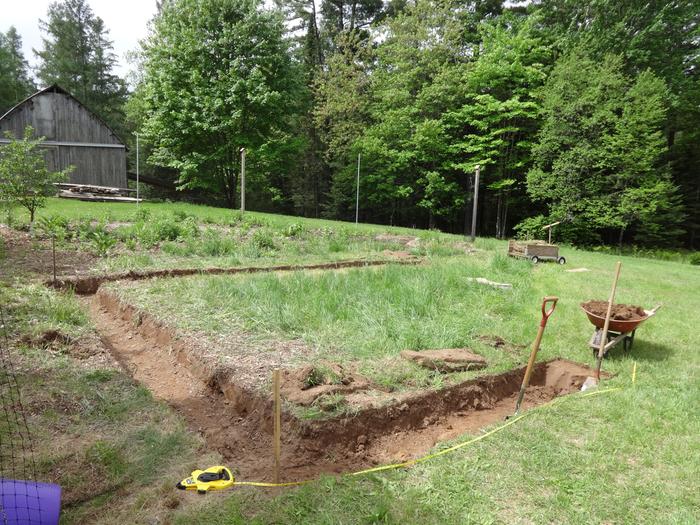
77	54
15	81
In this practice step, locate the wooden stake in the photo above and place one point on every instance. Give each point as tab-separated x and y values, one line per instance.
608	314
277	422
53	251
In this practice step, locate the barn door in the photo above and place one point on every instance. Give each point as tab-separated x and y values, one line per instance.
51	156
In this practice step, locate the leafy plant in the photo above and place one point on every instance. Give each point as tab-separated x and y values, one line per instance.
24	176
102	242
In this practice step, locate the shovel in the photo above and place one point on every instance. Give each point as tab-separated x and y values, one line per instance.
593	381
535	347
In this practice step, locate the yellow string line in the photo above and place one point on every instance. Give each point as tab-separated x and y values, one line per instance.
634	372
412	462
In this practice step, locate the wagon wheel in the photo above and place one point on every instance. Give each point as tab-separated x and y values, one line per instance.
534	259
561	260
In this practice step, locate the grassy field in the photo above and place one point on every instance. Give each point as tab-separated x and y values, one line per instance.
630	456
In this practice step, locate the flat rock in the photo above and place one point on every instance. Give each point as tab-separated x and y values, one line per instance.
447	360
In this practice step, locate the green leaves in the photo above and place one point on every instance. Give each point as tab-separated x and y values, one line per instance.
24	178
217	77
599	160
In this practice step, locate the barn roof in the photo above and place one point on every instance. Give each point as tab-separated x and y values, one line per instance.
55	88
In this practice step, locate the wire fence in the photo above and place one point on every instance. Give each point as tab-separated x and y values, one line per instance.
20	494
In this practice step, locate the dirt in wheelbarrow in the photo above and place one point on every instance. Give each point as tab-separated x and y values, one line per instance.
620	312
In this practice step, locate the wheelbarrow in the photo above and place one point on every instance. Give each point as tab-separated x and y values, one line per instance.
619	331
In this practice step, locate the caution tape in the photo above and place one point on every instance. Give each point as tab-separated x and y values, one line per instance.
411	462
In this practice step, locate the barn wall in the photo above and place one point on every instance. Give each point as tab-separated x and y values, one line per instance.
99	166
60	118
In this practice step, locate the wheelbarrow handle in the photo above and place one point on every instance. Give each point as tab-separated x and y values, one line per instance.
546	313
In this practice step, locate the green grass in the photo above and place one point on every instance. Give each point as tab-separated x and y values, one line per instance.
618	458
186	235
630	456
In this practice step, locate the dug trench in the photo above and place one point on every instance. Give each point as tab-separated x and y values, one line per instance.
237	421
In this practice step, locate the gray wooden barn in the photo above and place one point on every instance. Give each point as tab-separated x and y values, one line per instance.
75	136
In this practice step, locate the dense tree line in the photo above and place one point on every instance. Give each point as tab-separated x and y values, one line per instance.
580	112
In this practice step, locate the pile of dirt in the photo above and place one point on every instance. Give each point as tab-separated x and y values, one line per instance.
407	240
620	312
305	385
46	339
446	360
499	343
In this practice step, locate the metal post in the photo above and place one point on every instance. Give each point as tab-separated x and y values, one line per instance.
242	179
357	196
476	200
137	170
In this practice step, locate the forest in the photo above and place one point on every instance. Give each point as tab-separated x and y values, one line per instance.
584	112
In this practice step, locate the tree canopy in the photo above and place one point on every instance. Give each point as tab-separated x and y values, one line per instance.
580	112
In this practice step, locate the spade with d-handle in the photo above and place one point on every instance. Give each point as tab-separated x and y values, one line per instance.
535	347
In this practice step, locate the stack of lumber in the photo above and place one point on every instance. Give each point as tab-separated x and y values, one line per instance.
89	192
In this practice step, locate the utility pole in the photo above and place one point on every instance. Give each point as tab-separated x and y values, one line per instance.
137	170
476	200
357	195
242	179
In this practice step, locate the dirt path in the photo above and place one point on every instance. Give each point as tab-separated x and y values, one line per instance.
238	425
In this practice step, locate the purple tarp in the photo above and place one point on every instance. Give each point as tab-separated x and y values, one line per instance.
29	503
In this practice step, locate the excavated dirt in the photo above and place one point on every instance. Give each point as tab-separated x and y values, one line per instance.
446	360
236	420
620	312
499	343
90	285
305	385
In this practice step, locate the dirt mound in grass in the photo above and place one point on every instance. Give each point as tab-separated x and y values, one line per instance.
46	338
620	312
446	360
305	385
499	343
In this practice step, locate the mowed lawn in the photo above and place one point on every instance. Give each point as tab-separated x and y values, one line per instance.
628	456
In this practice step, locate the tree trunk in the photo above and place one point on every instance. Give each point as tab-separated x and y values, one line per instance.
619	239
498	215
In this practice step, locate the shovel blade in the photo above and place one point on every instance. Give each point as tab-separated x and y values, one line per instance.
589	383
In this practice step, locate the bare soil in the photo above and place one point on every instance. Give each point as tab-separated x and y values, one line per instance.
620	312
499	343
235	419
24	254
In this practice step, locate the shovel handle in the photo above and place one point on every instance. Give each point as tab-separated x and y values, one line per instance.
546	313
535	347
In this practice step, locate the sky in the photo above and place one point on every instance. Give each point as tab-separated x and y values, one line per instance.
126	20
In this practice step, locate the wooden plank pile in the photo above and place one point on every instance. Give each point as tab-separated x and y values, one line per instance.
89	192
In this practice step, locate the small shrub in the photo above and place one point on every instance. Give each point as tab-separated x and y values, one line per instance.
337	245
142	215
102	242
263	239
694	258
181	215
130	244
53	226
215	245
294	230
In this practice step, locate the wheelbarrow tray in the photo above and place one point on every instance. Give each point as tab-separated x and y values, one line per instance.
622	327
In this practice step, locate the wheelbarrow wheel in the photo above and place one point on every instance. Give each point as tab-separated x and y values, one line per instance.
561	260
534	259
